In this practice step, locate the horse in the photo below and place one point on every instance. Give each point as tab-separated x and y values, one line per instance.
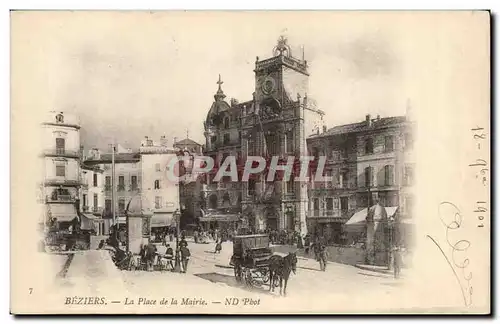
280	268
218	246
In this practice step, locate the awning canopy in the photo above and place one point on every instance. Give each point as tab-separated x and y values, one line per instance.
220	218
90	221
162	220
379	213
62	212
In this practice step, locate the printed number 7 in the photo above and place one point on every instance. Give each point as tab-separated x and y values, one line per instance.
31	290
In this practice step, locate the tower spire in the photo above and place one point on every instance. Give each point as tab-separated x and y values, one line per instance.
220	94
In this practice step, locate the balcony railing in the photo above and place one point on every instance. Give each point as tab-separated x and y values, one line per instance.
62	152
121	187
107	187
97	209
62	182
59	198
337	213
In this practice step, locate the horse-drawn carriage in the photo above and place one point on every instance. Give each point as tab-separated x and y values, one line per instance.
251	254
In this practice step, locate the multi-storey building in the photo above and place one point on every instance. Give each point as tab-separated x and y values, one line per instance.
190	188
127	181
222	204
158	161
92	197
367	162
275	122
61	158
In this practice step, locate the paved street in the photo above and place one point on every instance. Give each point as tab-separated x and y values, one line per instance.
209	274
210	281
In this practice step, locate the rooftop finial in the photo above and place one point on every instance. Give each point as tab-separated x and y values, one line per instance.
282	47
220	94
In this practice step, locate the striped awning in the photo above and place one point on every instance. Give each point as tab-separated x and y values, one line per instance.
220	218
62	212
162	219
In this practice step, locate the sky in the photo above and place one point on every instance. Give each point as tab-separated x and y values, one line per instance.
134	74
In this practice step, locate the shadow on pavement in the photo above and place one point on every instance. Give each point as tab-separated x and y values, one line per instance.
312	269
215	277
224	266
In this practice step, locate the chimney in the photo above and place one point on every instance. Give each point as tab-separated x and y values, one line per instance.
368	120
175	140
163	141
378	117
324	128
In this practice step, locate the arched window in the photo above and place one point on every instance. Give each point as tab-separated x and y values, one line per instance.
226	200
213	201
157	184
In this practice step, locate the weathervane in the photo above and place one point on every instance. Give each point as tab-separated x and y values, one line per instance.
282	47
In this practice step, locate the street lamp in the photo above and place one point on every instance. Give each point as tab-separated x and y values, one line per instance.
177	266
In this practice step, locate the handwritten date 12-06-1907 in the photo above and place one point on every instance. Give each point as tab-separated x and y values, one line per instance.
455	250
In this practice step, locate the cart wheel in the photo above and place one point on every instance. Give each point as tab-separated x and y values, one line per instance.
265	275
237	273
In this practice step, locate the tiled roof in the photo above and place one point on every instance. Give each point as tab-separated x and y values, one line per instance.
362	126
121	157
186	141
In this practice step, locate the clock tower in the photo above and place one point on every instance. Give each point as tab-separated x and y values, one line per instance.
276	125
280	80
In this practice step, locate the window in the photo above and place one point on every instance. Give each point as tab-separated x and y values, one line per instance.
133	180
408	139
213	201
121	205
343	179
157	202
226	138
226	122
60	170
95	180
251	186
368	176
121	183
107	185
329	203
213	140
408	207
272	143
389	144
84	200
336	203
157	167
344	203
369	146
408	180
239	136
157	184
289	141
107	205
225	200
290	186
60	145
316	204
96	202
389	175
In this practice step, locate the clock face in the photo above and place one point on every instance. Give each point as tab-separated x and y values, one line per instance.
268	85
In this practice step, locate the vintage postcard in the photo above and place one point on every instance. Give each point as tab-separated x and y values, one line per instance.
168	162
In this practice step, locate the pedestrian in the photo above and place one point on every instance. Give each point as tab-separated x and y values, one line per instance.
307	243
397	262
150	255
218	247
185	255
323	257
169	255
